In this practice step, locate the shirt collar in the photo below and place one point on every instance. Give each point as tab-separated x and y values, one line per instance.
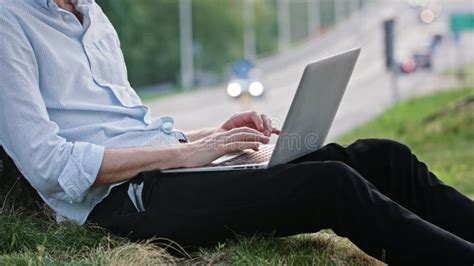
49	4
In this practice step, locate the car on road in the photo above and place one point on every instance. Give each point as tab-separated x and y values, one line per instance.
245	80
237	87
422	58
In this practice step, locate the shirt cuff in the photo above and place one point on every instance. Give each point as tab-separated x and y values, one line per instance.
81	170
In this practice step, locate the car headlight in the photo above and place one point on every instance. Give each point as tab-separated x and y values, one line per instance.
234	89
256	89
427	16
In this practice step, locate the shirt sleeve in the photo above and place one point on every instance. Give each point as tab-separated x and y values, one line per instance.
55	167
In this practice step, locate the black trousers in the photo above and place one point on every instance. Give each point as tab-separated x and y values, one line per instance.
375	192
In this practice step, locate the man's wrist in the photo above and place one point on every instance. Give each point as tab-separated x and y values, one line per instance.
178	156
181	156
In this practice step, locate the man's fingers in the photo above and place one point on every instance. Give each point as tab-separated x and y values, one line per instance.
269	129
257	120
248	137
267	123
243	130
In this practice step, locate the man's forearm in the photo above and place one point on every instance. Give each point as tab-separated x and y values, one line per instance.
207	145
123	164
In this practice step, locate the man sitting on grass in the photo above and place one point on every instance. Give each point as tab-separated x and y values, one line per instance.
84	140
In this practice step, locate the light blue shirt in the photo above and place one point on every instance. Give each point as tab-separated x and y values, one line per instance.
64	98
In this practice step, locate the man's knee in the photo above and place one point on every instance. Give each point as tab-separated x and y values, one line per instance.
381	148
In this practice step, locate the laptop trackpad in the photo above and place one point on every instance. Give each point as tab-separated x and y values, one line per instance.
227	157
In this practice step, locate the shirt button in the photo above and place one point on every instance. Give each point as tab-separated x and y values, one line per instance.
167	127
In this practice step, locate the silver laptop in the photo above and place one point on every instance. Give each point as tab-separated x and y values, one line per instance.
308	121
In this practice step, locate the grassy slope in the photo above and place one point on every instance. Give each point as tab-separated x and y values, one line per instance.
445	143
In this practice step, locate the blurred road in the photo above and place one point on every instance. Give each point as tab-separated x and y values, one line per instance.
368	93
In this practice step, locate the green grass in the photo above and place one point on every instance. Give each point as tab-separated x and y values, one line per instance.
29	240
469	74
38	240
445	141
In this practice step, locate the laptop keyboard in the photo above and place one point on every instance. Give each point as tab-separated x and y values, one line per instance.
251	157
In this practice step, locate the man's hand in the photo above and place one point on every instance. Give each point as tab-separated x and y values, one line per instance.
208	149
241	132
259	122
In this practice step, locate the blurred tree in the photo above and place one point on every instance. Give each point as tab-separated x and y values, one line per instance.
149	34
327	17
217	29
299	20
266	26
